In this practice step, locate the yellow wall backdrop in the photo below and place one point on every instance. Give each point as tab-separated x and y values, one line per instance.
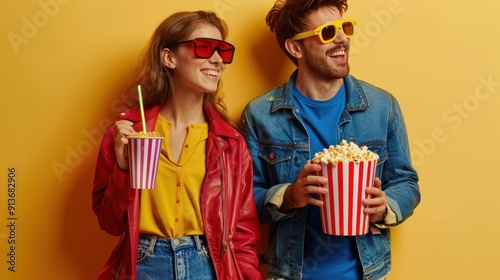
64	64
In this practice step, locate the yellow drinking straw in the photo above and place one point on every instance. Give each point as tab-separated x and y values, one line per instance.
142	110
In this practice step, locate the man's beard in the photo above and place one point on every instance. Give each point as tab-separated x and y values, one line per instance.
321	68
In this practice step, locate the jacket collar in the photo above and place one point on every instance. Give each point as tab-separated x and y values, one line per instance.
356	99
217	125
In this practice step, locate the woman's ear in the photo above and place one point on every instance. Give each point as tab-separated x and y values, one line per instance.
294	48
167	58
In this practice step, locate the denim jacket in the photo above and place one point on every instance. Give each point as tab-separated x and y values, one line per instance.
279	145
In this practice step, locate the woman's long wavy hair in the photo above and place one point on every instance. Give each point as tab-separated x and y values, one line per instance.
155	78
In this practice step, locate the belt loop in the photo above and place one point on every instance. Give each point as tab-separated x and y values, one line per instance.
152	244
197	241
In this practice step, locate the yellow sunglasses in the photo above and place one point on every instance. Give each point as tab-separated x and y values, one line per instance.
328	32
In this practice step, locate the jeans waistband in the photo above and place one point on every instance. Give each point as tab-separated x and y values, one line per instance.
172	243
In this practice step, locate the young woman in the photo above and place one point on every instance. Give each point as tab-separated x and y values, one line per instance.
199	222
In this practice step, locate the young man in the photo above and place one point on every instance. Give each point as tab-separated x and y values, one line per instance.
320	105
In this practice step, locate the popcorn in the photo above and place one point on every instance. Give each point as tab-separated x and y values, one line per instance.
344	152
148	134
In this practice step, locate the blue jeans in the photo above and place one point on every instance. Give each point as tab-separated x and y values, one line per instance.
174	258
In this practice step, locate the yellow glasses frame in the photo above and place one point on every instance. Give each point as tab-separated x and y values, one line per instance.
338	24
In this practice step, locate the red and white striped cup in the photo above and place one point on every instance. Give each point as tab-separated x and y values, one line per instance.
143	157
342	213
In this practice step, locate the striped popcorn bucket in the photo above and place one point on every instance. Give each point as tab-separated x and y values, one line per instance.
143	156
342	213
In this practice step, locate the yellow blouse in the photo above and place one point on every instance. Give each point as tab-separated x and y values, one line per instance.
172	208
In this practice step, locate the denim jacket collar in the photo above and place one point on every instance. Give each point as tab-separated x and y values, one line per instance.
356	99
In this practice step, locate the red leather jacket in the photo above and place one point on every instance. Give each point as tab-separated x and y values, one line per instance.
227	205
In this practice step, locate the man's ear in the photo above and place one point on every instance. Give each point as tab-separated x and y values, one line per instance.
294	48
167	58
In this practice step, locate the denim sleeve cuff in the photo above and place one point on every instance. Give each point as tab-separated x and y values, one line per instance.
274	200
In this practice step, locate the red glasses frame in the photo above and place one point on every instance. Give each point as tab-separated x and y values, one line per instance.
206	47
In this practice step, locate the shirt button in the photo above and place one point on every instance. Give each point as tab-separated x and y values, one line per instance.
178	183
176	220
178	201
186	146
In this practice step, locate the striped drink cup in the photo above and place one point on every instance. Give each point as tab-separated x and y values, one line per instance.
342	213
143	156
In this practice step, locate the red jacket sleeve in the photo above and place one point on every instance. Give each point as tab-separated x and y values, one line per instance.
111	194
247	232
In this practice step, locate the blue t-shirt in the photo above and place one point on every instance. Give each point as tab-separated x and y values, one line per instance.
325	256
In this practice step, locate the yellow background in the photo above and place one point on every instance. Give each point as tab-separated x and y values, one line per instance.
64	64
